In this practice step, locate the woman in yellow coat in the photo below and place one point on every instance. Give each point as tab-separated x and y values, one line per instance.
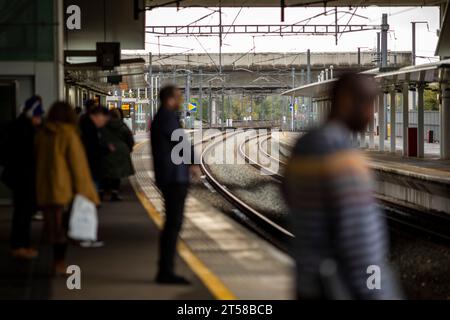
62	172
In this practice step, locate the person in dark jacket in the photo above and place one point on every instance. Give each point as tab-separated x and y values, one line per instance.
171	177
117	164
19	174
90	126
341	240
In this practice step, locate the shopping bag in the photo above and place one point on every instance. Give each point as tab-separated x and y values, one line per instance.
83	221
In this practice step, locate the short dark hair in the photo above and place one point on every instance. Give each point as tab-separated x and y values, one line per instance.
89	104
62	112
116	114
355	83
99	110
78	110
166	92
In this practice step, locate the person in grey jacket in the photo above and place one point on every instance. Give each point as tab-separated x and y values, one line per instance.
341	239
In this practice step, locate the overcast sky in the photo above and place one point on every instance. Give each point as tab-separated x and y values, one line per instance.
399	19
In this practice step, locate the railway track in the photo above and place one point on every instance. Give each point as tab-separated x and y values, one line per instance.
399	217
254	162
432	225
265	226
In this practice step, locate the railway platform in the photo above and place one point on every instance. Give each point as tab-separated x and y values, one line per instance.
221	258
419	183
426	169
124	268
232	261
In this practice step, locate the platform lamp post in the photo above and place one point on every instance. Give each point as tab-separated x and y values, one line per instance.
187	94
200	97
302	82
209	105
150	84
413	34
393	111
359	57
293	98
220	66
413	51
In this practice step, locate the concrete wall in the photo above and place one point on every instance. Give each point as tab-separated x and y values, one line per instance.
32	48
41	76
31	53
431	121
413	190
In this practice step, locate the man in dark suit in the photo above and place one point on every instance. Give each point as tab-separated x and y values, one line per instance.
172	178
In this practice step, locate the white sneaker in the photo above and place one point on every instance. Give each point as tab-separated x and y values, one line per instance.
38	216
92	244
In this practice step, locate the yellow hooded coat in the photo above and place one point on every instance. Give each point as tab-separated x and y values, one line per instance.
62	170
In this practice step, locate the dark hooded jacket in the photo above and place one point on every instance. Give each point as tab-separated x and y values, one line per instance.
117	164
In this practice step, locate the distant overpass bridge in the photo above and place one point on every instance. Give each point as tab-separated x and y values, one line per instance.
256	72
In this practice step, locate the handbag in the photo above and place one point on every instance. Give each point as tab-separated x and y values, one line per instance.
83	222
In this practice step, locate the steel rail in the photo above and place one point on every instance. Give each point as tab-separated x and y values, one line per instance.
267	224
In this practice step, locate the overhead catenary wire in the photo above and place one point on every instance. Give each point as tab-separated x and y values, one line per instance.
234	20
166	45
206	51
350	19
405	10
171	55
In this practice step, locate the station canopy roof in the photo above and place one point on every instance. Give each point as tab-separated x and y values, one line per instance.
288	3
314	90
443	46
430	72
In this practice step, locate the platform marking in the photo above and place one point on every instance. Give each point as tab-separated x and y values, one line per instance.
207	277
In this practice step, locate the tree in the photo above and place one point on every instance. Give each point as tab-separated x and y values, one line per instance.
430	100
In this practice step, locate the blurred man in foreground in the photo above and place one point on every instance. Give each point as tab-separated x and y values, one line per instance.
171	178
341	237
19	175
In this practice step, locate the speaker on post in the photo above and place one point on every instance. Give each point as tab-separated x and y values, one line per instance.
108	55
114	79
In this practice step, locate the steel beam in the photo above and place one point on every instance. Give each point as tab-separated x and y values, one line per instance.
277	29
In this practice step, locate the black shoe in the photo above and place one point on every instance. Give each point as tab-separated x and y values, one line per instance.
115	196
171	279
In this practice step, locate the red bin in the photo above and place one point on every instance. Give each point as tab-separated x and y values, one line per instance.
412	142
430	136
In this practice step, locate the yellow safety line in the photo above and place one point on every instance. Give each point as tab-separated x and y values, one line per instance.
207	277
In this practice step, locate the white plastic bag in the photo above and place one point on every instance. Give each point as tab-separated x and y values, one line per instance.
83	221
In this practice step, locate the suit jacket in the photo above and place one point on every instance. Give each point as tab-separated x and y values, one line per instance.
166	170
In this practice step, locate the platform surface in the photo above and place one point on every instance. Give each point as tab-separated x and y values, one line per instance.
222	258
430	167
240	264
123	269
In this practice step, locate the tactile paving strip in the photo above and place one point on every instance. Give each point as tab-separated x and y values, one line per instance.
249	266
